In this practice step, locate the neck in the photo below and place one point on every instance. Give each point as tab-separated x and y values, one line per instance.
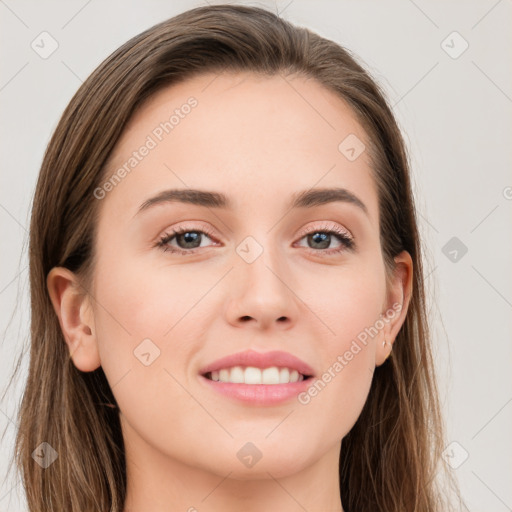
160	483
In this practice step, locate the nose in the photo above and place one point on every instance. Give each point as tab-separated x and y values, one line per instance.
261	295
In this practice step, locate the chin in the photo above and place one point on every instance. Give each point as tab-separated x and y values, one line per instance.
245	463
264	471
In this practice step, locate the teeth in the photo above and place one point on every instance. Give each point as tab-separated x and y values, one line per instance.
270	375
252	375
237	375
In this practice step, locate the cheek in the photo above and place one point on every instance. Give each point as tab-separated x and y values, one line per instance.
145	328
348	347
346	300
341	389
149	300
136	310
150	319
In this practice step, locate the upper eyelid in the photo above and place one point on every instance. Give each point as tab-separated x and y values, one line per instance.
331	227
327	226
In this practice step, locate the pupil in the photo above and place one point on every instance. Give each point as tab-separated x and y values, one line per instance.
190	237
322	238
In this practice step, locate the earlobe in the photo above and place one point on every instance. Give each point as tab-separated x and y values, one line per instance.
397	305
73	308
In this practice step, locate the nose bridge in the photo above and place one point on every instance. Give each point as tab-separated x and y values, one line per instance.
263	274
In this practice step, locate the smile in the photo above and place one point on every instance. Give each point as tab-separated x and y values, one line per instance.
251	375
258	378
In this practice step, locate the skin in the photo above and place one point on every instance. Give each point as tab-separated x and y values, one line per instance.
258	140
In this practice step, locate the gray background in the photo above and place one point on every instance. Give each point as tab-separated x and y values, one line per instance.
455	113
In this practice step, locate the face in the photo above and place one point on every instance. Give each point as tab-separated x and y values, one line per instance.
261	266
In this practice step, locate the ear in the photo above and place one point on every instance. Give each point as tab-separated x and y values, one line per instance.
396	305
73	308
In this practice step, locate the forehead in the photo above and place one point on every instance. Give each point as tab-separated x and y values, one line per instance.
260	137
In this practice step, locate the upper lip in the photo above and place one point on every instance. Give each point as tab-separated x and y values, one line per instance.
260	360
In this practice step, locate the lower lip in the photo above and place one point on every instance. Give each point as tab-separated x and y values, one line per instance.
259	394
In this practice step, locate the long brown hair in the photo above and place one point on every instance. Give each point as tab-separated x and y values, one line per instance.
391	458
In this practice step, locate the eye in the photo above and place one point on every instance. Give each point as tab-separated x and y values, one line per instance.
320	239
186	240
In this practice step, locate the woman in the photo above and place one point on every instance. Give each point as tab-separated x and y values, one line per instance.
228	309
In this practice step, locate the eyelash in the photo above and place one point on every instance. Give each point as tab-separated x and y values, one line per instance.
167	237
346	241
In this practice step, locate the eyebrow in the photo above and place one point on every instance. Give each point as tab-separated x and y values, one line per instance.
305	199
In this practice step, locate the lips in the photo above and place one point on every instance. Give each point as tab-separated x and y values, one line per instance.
262	360
250	392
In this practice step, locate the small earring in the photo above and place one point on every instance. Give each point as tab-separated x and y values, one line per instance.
384	344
